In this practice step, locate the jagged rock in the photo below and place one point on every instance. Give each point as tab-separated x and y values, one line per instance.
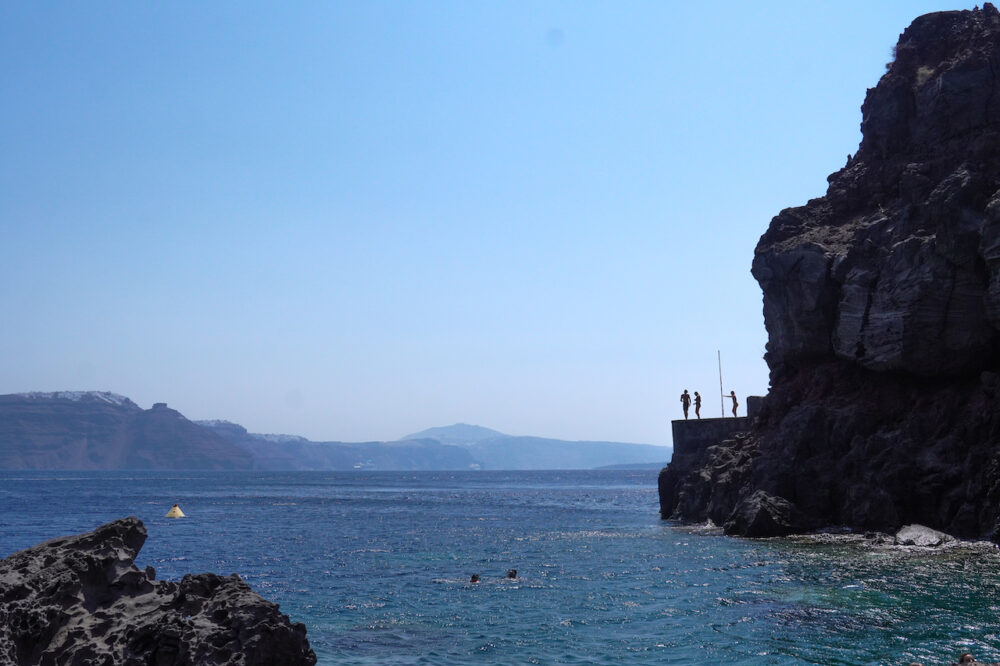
762	514
882	307
81	600
898	266
919	535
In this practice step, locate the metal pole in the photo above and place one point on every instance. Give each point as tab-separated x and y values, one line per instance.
722	399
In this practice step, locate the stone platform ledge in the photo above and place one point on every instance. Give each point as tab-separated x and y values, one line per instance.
694	435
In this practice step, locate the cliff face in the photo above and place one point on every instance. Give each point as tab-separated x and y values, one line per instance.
882	306
81	600
91	430
898	266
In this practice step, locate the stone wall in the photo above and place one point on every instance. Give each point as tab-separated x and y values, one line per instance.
693	438
694	435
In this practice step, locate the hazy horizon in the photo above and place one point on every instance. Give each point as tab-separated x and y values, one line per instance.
353	221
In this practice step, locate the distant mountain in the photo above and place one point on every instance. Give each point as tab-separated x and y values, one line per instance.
460	433
495	450
96	430
288	452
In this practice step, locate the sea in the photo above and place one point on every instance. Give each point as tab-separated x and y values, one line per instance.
377	565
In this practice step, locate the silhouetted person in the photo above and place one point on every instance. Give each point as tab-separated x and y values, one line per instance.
685	402
732	396
697	404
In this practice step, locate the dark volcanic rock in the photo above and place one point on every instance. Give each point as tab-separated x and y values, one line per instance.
81	600
896	268
882	306
761	514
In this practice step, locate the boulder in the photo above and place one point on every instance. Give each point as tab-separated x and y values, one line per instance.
763	515
82	600
919	535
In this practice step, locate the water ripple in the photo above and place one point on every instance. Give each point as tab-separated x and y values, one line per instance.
378	564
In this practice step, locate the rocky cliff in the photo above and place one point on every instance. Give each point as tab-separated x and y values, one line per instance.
82	600
882	307
97	430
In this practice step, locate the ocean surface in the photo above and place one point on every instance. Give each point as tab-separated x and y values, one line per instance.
377	565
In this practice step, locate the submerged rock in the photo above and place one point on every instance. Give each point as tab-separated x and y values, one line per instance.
882	307
82	600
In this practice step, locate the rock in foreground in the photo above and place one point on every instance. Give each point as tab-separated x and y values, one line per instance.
81	600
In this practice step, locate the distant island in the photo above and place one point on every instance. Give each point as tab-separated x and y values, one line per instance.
92	430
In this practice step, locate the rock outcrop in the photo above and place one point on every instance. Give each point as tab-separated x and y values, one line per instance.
882	307
81	600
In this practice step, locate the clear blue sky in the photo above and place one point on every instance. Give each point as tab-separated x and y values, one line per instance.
355	220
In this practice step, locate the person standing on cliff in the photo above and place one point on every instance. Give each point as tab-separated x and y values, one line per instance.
697	404
685	402
732	396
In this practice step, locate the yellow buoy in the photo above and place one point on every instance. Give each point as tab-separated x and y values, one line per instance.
175	512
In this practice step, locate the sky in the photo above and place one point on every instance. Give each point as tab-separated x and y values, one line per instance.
356	220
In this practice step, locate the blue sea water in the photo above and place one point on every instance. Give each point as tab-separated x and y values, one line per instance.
377	566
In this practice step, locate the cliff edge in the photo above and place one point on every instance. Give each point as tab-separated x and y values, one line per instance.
81	600
882	307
